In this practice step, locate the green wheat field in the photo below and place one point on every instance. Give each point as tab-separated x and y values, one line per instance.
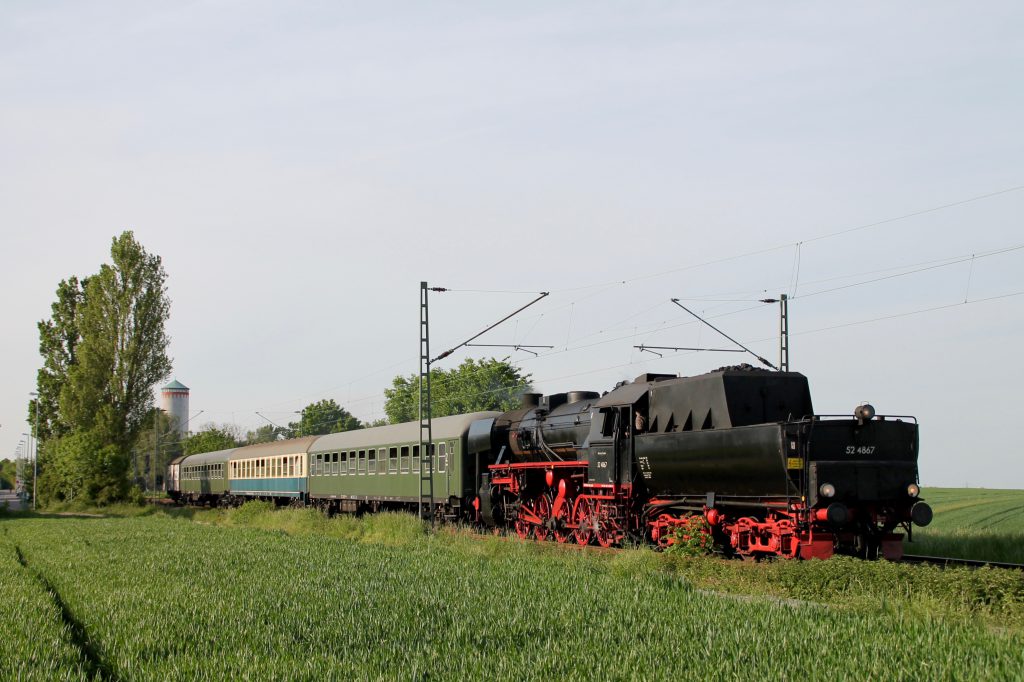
973	523
261	594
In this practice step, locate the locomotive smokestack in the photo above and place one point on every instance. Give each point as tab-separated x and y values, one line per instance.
531	400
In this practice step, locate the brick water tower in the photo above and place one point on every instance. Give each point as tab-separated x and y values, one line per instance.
174	403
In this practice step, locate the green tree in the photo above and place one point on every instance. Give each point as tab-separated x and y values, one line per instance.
267	433
123	350
324	416
473	386
58	340
104	350
8	472
210	439
82	465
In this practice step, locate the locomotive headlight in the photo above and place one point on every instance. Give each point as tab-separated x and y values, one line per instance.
827	490
913	490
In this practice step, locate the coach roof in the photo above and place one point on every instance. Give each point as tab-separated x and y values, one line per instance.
292	446
206	457
442	428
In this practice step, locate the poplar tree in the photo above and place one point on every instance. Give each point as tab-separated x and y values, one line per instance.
107	393
123	351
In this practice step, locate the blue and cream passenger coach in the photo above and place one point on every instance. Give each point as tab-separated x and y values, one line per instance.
271	470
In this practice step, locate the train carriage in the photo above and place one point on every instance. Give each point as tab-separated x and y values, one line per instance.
199	479
275	471
380	467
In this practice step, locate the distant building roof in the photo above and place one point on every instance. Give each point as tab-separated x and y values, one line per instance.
175	386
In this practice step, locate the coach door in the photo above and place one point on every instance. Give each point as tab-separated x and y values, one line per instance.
442	462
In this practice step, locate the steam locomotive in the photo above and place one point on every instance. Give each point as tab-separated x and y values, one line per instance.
736	454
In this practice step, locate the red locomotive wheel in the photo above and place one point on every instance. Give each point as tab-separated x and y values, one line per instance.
522	527
562	531
584	532
608	531
543	511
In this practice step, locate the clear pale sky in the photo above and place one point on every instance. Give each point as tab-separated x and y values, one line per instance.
302	167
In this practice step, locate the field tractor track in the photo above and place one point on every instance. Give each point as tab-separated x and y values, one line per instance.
949	562
95	666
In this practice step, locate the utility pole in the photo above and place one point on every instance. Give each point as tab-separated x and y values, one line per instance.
783	301
783	333
156	449
426	426
35	458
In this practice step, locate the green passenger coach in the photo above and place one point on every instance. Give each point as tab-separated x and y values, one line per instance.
379	467
202	479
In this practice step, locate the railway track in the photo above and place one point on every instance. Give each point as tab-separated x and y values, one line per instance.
952	561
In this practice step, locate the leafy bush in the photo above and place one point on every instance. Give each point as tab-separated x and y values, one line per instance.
692	538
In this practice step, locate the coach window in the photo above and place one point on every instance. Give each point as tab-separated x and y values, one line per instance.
405	459
336	465
392	460
442	457
362	461
416	458
352	460
371	461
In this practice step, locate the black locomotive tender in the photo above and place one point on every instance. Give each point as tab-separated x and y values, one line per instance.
737	453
